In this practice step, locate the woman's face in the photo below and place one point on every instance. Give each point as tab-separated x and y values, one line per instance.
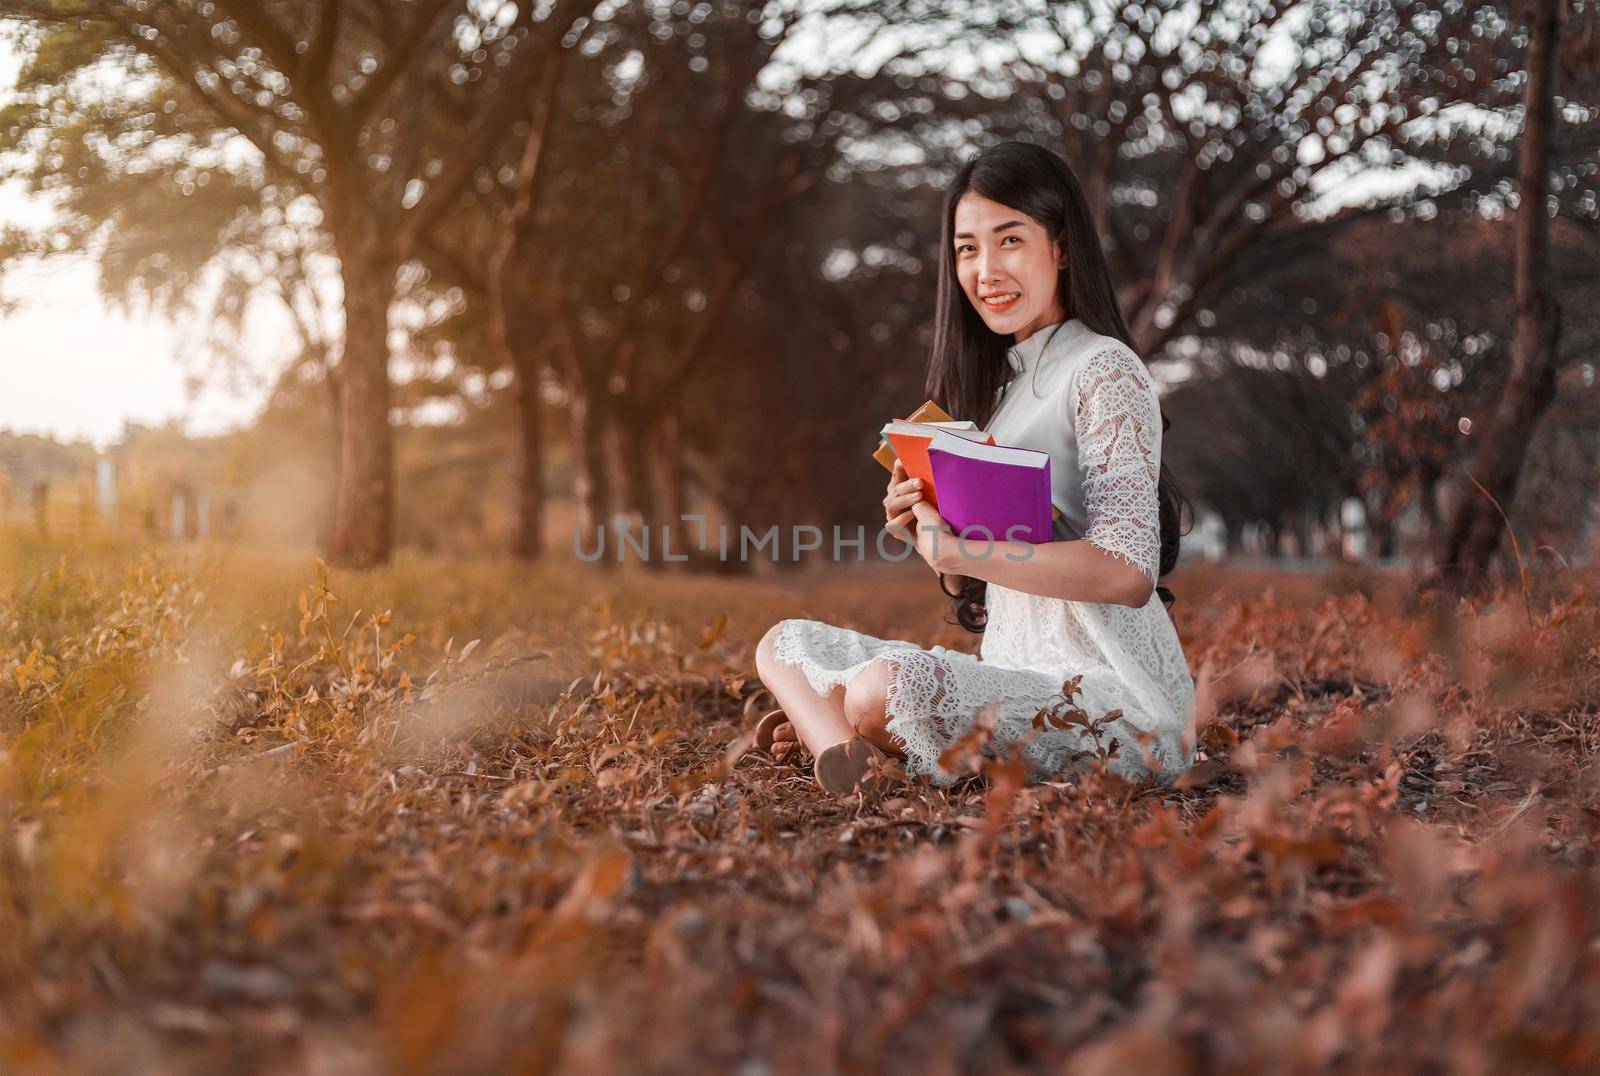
1007	265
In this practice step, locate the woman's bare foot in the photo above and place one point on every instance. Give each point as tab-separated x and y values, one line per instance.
786	745
776	735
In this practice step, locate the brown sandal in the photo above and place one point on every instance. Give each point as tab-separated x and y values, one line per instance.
847	768
769	721
782	749
767	727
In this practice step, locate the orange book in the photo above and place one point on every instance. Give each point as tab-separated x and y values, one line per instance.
928	412
910	441
904	441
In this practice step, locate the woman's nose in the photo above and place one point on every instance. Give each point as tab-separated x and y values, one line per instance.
986	270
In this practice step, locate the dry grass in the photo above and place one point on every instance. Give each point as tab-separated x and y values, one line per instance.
251	819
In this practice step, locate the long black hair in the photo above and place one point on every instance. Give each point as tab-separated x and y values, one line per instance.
969	366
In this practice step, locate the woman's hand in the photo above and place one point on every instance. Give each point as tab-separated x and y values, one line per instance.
902	494
936	542
908	516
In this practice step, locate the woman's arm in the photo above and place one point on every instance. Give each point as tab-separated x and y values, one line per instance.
1075	570
1116	416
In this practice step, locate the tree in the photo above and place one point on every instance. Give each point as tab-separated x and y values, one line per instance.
665	170
1475	531
512	326
1266	439
331	96
1207	135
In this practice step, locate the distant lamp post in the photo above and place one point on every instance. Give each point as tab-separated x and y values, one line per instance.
1353	521
105	489
176	526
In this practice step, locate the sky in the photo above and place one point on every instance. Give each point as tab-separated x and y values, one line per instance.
77	370
73	367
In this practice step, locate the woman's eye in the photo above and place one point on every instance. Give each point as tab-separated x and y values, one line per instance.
968	246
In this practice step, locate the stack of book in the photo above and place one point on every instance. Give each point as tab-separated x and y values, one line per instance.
980	488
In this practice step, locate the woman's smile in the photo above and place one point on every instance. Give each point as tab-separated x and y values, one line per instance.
1003	301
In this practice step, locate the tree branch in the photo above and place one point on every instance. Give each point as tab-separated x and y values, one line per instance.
489	127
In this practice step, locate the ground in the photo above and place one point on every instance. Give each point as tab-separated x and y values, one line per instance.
477	817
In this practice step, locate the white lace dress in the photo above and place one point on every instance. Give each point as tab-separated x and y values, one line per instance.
1088	400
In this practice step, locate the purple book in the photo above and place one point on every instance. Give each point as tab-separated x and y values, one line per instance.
991	490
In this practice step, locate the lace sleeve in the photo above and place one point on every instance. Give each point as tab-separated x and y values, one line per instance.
1117	418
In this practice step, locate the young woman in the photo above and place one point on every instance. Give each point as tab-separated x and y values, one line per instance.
1031	345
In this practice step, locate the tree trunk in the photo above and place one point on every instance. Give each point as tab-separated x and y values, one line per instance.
1382	529
41	505
1330	524
363	511
638	485
635	433
1432	523
330	376
675	490
515	347
591	485
1272	541
1475	533
510	329
528	541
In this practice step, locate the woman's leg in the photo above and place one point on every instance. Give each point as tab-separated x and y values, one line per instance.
819	719
866	702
